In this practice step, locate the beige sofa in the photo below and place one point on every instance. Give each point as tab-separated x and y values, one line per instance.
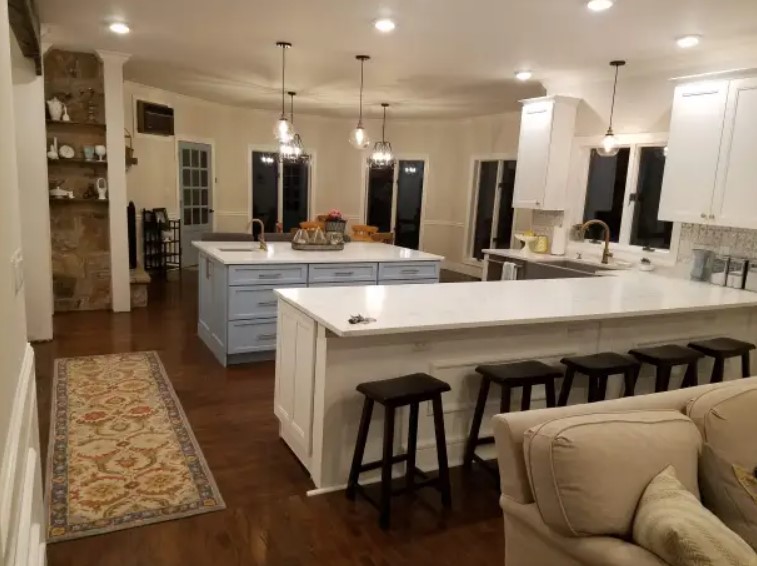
587	464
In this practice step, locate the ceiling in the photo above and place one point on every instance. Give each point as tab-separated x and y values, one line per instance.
446	57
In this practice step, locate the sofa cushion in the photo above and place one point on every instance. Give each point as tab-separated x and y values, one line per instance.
588	472
727	419
730	491
672	524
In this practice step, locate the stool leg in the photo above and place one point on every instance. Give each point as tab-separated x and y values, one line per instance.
357	458
593	387
525	400
662	381
567	383
412	442
691	379
746	366
386	468
549	390
630	376
602	387
441	451
504	399
718	370
475	427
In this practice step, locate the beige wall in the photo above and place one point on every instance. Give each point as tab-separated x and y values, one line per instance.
29	106
13	333
449	146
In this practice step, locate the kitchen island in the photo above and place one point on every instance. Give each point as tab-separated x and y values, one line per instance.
446	330
237	306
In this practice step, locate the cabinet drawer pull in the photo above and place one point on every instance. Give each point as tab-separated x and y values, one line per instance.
344	273
409	271
267	304
703	215
245	324
266	337
269	275
712	217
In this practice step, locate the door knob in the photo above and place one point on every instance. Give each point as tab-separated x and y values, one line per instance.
210	210
703	215
712	217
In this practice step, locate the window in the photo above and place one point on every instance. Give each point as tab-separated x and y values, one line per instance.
492	206
624	192
280	191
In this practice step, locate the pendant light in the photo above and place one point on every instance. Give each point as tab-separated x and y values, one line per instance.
382	156
293	150
359	137
609	147
283	128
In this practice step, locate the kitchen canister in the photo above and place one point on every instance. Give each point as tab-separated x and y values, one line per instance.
719	270
737	268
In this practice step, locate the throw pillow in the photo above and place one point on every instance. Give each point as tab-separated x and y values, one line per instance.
729	491
671	523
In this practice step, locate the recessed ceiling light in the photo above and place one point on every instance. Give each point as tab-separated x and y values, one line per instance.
120	28
523	75
599	5
385	25
688	41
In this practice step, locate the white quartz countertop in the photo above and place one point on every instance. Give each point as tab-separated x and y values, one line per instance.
449	306
243	253
548	258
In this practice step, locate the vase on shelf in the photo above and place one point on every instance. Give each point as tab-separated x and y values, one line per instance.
100	151
55	107
102	189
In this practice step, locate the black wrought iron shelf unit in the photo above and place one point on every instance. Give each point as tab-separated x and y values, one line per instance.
161	241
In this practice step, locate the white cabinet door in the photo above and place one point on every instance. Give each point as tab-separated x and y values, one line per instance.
533	154
696	130
735	202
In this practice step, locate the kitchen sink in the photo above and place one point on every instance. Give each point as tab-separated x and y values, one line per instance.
581	266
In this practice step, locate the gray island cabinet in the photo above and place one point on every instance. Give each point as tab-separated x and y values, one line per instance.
237	304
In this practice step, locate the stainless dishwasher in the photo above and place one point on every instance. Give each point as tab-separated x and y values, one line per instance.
531	270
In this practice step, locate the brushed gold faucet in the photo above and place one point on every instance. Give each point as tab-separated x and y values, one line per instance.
606	254
261	237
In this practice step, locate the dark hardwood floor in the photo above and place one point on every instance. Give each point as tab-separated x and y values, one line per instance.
269	520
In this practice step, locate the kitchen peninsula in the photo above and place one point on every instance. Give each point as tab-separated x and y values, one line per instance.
237	305
446	330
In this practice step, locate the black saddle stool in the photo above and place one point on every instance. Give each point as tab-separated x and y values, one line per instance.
599	368
721	349
409	390
507	376
665	358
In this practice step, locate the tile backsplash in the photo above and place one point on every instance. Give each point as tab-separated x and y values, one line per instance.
729	241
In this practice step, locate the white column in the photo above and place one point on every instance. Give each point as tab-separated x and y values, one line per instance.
113	64
29	105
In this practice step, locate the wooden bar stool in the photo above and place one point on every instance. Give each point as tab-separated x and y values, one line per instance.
721	349
665	358
392	394
599	368
507	376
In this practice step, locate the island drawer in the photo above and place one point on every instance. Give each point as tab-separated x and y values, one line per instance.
254	301
337	272
272	275
251	336
408	281
344	284
409	270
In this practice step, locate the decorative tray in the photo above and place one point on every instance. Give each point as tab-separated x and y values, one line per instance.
318	247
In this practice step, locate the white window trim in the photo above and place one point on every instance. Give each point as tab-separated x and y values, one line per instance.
583	147
470	220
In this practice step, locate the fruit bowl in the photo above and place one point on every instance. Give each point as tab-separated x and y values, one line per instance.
527	240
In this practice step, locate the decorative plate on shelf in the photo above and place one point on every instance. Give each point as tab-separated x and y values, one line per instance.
66	152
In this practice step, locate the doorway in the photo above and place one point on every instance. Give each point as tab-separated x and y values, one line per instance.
195	197
492	206
280	191
395	200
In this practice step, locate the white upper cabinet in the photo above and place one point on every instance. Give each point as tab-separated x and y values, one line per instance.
735	201
711	172
546	137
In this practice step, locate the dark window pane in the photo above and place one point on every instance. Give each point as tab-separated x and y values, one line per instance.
647	230
380	184
605	192
409	200
203	215
195	158
195	178
186	177
487	190
265	202
204	159
295	196
187	216
195	216
187	197
204	198
185	158
504	230
203	177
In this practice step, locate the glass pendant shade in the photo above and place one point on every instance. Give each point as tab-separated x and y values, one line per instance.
359	138
283	130
382	155
609	147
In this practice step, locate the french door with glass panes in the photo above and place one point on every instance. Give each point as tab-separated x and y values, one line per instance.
280	191
395	200
195	196
492	207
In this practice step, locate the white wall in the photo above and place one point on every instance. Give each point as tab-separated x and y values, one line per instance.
338	168
13	334
29	101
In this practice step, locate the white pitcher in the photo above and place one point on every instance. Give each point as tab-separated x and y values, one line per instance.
102	188
55	107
